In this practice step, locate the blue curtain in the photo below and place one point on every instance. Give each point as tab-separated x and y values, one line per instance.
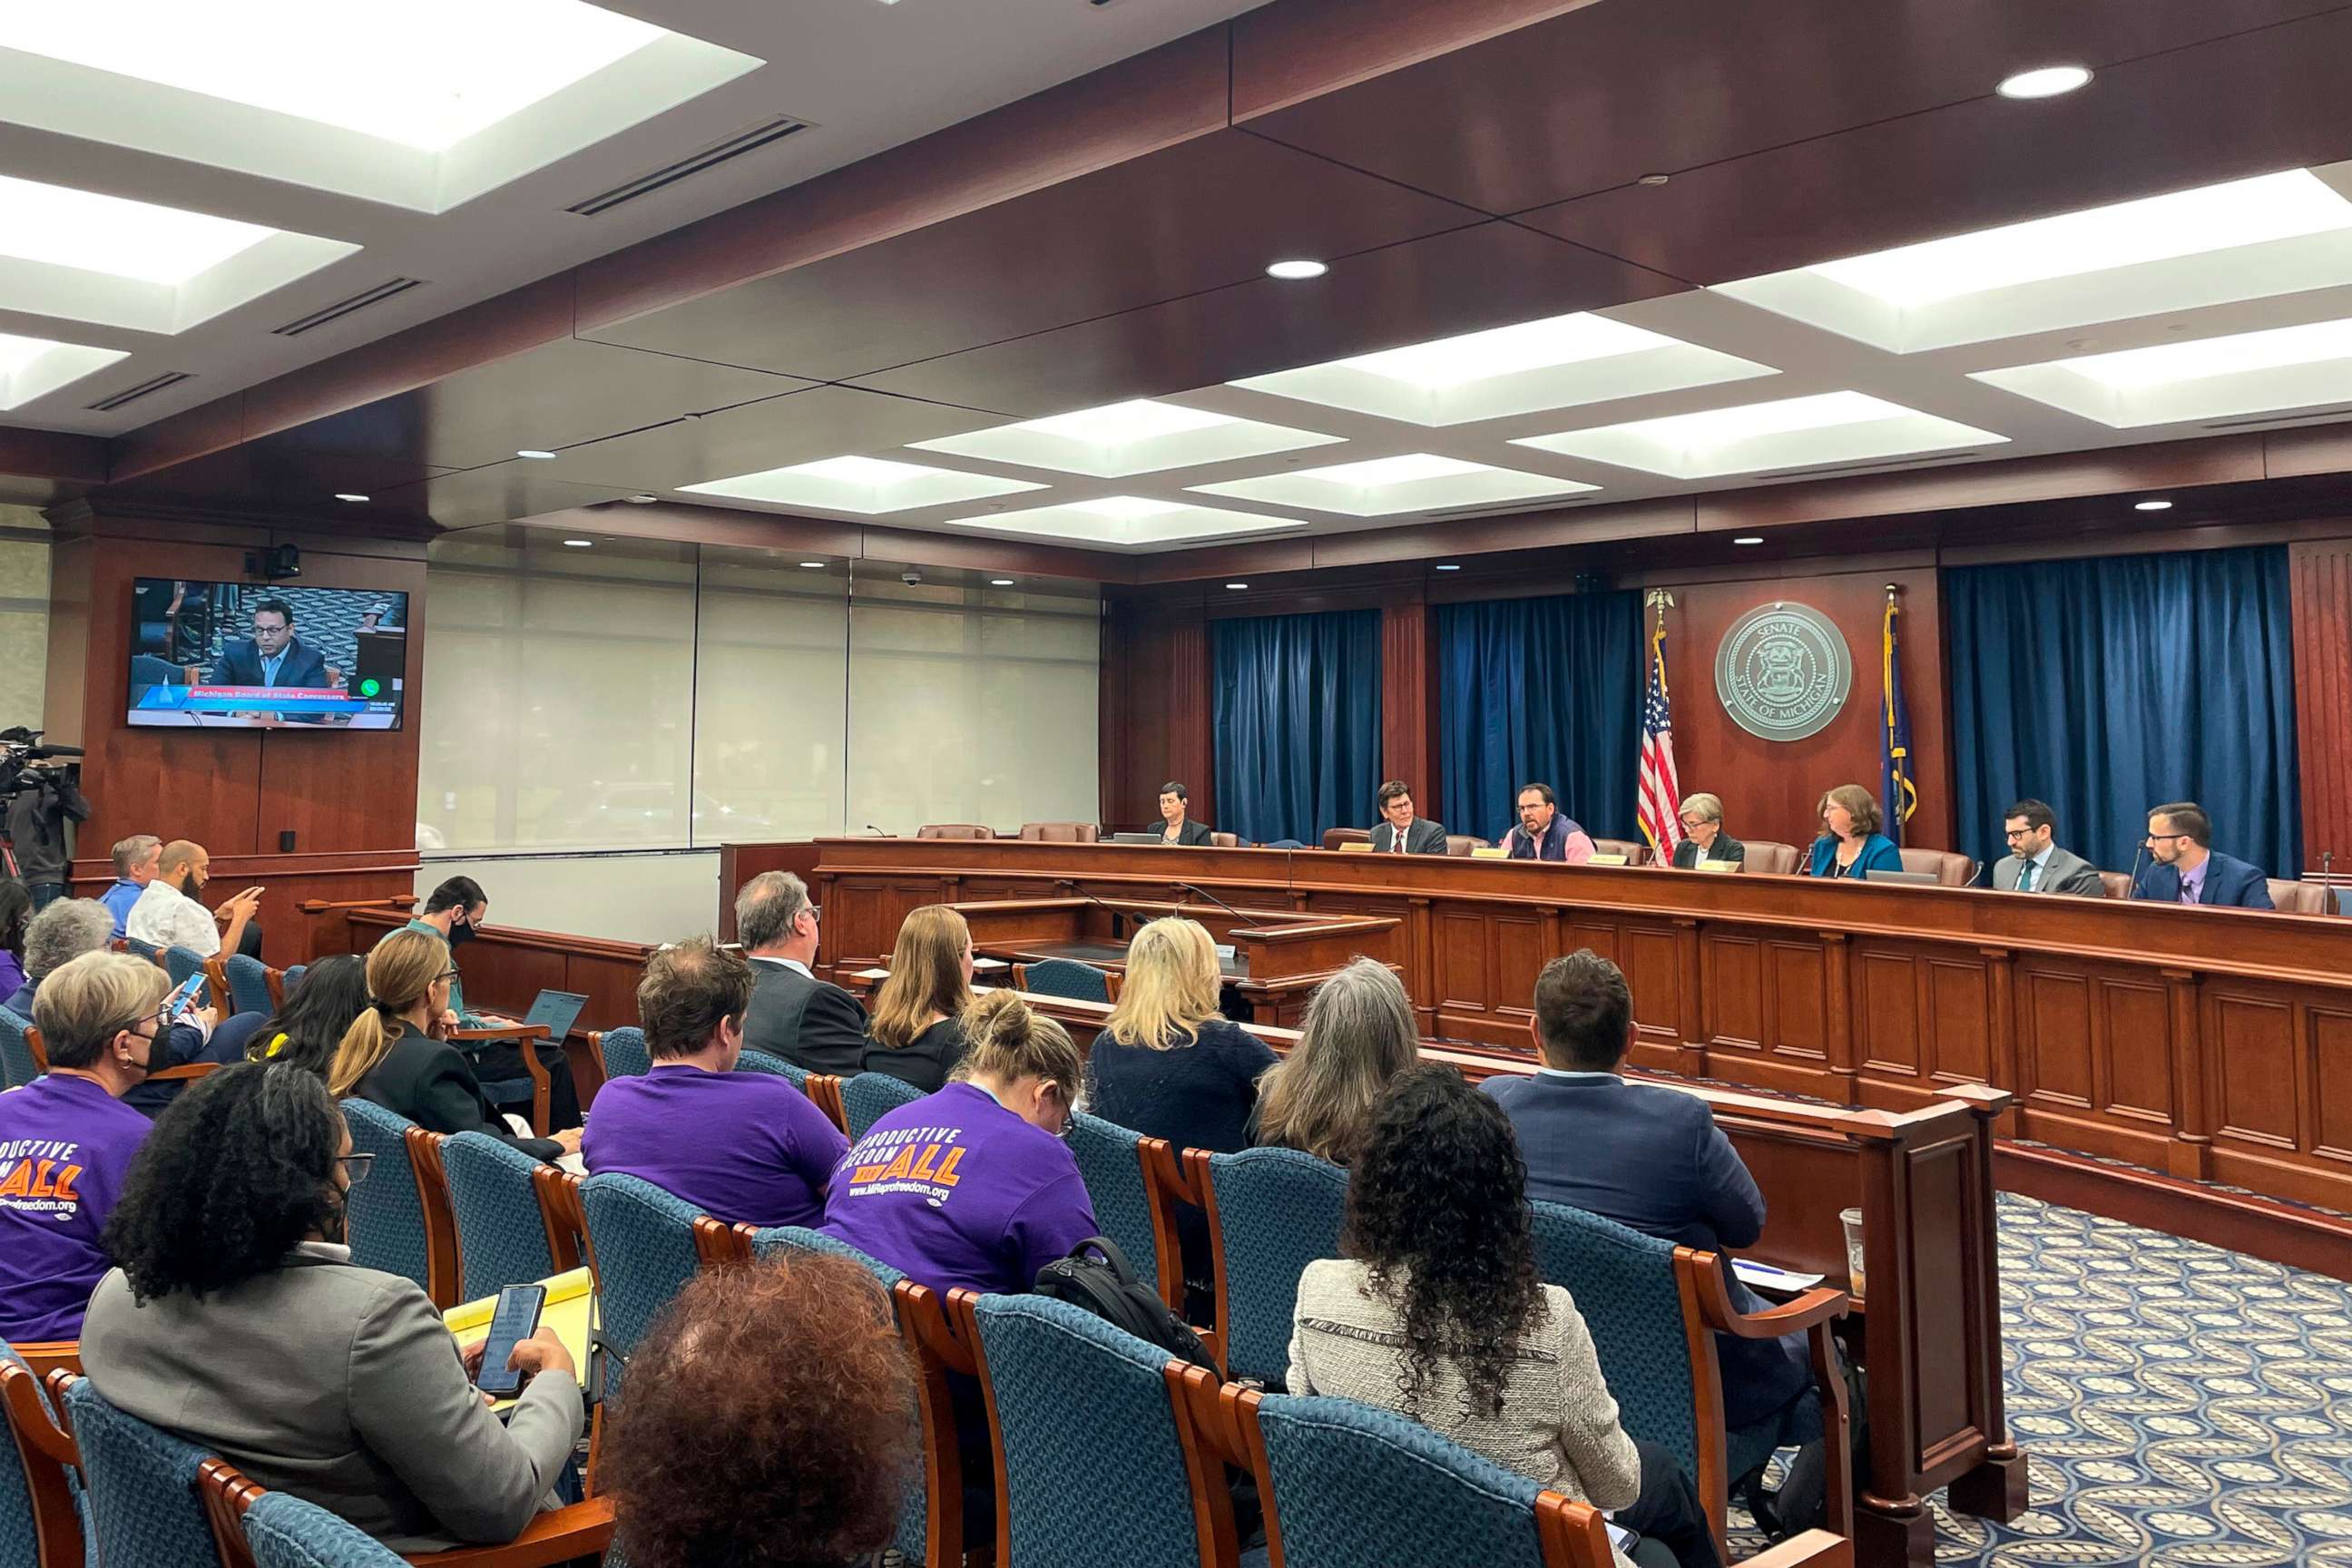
1540	689
1297	715
2110	685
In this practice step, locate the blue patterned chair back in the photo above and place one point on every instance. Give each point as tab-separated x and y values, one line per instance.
1113	1172
293	977
1066	977
145	950
182	964
1355	1484
1111	1488
387	1217
775	1067
1623	1283
643	1238
16	1066
286	1532
1277	1211
501	1239
142	1484
624	1053
248	984
19	1536
912	1540
869	1097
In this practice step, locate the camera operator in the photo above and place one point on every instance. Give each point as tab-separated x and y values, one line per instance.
42	797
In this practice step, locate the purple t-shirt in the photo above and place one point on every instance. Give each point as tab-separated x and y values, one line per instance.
746	1148
953	1189
65	1148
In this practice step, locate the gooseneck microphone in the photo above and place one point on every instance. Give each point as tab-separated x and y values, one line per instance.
2137	857
1187	888
1119	917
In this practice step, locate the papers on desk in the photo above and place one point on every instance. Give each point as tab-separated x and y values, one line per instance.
884	973
568	1309
1764	1277
979	964
1225	953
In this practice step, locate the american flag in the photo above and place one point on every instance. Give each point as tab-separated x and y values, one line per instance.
1661	813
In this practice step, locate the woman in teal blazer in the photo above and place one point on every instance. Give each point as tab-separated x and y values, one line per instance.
1851	844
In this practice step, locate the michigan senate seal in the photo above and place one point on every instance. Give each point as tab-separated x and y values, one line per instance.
1782	672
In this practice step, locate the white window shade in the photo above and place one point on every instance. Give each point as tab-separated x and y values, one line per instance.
971	706
559	701
769	695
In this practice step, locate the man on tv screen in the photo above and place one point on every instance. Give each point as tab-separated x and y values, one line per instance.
273	655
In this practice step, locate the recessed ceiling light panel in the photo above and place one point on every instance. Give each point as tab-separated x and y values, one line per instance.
868	487
1560	362
2273	370
423	105
1129	522
1791	432
2246	239
1382	486
1118	439
80	256
34	367
1297	271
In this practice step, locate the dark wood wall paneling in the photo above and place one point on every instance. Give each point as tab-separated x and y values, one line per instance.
2321	586
349	797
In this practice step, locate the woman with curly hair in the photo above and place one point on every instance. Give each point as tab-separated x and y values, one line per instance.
1436	1312
769	1422
235	1319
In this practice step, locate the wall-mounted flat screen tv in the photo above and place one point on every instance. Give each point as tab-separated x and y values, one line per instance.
267	657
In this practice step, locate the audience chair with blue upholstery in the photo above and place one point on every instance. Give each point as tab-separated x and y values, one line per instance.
145	950
1347	1484
823	1090
1062	977
141	1486
17	1068
931	1519
291	979
249	986
1652	1308
389	1228
1271	1213
1113	1488
622	1052
775	1067
41	1516
1112	1161
279	1530
502	1234
183	965
870	1095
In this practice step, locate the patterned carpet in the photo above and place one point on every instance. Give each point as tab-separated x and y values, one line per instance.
2179	1403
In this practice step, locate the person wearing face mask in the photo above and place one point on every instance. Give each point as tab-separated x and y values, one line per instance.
390	1056
168	915
236	1320
66	1140
456	911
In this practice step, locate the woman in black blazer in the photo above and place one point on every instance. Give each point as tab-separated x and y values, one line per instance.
1702	835
1179	828
390	1057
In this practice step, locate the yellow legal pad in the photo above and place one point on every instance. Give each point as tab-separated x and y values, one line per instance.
568	1309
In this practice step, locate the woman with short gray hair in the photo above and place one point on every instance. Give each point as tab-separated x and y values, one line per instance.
1358	1035
1702	836
57	935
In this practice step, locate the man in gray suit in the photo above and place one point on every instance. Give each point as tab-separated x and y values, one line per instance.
1422	836
2036	864
813	1024
237	1318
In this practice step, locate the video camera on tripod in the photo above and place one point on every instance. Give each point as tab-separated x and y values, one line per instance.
26	764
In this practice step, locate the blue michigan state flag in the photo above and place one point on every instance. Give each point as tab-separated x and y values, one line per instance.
1898	784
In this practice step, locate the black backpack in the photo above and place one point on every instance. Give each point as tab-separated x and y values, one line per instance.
1096	1277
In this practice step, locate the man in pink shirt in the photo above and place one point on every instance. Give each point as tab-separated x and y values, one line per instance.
1543	834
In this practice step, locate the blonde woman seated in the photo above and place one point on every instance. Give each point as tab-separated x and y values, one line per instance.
390	1057
1434	1311
916	1033
1167	1064
1359	1034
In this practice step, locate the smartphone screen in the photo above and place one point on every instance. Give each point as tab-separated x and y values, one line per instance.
183	1001
515	1320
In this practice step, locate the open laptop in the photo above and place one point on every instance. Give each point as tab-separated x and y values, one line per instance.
1914	879
559	1010
1135	837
